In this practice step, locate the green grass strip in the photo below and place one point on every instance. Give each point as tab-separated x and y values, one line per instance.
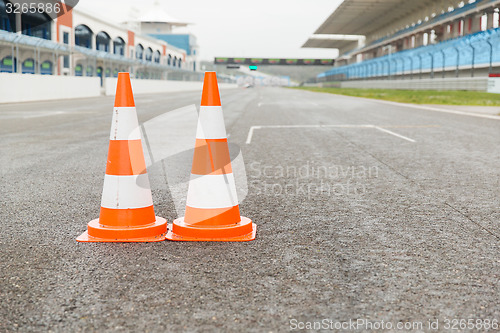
417	96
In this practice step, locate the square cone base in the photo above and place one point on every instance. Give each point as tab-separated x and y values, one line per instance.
154	232
243	231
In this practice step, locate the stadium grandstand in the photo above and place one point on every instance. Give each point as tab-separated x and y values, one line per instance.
81	43
398	39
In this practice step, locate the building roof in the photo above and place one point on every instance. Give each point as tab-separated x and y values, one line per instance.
362	17
332	42
156	14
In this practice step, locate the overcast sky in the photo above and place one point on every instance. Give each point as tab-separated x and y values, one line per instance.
257	28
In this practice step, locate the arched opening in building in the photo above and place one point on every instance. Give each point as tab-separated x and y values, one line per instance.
7	20
46	68
100	74
149	54
179	62
175	62
83	36
28	66
90	71
169	61
79	70
139	50
115	72
119	46
107	72
102	41
36	24
8	65
157	57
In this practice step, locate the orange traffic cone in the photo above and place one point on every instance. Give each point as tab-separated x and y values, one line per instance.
212	210
127	213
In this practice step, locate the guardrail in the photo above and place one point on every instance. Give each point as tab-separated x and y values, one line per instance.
482	48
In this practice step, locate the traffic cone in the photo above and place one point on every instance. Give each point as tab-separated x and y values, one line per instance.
127	213
212	210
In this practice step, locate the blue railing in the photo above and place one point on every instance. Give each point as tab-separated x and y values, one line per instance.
471	50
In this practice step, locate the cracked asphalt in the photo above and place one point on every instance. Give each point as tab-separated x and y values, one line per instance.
353	222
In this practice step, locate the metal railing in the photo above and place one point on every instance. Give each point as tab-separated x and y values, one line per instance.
462	53
88	58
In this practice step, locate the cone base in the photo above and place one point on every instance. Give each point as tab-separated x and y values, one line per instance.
244	231
154	232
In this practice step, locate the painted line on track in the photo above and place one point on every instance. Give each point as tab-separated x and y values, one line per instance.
427	108
47	114
39	114
430	108
395	134
253	128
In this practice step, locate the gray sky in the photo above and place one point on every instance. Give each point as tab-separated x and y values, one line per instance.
257	28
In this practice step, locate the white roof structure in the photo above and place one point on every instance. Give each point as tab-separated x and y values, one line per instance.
156	14
362	17
380	19
340	42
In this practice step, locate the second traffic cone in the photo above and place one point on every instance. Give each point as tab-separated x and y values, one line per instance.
127	213
212	209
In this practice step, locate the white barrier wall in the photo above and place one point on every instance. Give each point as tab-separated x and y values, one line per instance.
159	86
494	85
29	87
474	84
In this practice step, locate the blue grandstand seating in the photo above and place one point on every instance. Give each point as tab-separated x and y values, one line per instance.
467	50
431	21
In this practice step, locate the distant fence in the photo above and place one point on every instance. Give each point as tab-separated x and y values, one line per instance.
482	48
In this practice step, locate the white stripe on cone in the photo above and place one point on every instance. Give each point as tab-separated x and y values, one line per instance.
123	192
212	191
211	123
124	125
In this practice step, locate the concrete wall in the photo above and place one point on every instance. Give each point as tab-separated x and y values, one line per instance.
159	86
494	85
473	84
27	87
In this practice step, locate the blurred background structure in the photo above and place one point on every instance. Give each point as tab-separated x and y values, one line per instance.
81	43
403	39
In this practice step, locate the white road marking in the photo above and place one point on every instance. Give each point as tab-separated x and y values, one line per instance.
430	108
38	114
314	126
250	134
45	114
253	128
395	134
283	103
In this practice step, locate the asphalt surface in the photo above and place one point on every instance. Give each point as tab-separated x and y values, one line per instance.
395	217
